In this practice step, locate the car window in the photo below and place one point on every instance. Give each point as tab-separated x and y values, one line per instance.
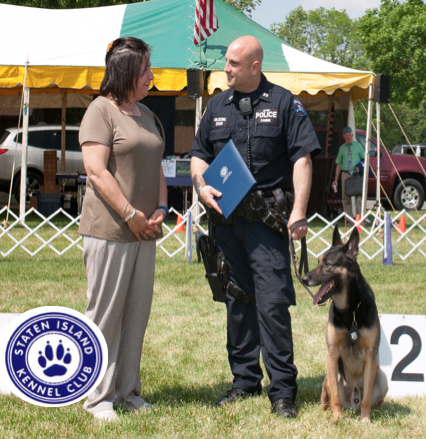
4	136
423	152
39	139
72	143
361	139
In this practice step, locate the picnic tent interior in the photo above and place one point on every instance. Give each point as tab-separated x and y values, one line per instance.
60	60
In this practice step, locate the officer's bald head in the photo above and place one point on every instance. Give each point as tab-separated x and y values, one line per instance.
244	64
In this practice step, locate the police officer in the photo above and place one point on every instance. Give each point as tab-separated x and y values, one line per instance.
277	141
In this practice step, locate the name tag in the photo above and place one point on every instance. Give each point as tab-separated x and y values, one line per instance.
268	116
219	121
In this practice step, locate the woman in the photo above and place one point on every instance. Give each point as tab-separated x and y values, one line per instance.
124	207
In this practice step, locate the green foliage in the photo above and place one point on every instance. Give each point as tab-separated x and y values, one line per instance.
294	29
244	6
328	34
394	39
412	120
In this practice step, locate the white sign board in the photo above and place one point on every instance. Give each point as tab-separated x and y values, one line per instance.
5	319
402	353
169	168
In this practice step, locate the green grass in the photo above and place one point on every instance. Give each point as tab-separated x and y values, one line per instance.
184	361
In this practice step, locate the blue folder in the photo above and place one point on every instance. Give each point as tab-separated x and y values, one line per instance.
230	175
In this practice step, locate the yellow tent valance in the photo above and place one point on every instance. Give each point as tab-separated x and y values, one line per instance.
312	83
80	77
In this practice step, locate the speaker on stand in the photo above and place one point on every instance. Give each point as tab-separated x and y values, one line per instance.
195	79
382	89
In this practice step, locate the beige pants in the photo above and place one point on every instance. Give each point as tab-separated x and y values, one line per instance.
347	202
120	285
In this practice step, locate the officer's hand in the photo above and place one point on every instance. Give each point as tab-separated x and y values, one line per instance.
208	194
300	232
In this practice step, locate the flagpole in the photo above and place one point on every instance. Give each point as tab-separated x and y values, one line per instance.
199	34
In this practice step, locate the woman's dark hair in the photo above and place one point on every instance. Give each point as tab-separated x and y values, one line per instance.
123	66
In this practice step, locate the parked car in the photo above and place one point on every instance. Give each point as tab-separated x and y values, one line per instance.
410	197
40	138
419	149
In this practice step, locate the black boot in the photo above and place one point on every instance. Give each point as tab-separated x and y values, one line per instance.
234	395
284	407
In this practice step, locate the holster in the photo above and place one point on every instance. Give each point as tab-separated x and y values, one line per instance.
215	265
217	271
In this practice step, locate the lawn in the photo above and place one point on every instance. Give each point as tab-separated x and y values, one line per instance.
184	363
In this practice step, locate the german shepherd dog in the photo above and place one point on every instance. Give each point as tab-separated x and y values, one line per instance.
353	379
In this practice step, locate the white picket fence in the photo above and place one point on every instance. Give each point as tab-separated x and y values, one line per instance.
58	232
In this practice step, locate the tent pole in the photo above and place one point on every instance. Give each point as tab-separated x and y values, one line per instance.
378	155
351	123
24	152
198	114
64	128
367	150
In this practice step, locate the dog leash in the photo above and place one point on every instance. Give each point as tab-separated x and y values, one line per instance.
303	255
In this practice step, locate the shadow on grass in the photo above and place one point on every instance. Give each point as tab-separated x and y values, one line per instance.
309	394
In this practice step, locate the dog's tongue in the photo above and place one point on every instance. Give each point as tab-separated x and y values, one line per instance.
321	292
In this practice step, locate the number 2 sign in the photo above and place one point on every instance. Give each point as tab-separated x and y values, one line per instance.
402	356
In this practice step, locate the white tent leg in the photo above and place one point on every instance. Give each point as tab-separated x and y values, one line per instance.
25	124
378	156
367	150
351	116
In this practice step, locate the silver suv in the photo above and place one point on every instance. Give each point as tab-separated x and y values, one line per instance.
40	138
419	149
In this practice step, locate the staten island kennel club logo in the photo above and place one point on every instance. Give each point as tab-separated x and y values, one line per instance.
53	356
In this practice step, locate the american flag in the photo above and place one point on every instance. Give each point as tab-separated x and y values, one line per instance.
205	20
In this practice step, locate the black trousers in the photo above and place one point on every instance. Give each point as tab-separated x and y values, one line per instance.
259	263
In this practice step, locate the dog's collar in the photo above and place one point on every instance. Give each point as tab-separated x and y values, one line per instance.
354	332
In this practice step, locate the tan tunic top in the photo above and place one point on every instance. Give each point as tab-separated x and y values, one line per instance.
134	162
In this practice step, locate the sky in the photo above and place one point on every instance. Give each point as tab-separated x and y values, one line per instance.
276	10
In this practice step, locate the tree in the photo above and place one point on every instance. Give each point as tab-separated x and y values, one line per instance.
244	6
294	29
328	34
394	39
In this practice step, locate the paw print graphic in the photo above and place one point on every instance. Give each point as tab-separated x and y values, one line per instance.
58	359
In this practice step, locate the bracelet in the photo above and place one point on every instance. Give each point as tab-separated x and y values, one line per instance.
166	209
131	215
199	190
124	210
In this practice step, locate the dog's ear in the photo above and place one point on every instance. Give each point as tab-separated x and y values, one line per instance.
351	247
336	236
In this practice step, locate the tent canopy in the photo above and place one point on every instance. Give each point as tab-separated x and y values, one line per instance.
66	49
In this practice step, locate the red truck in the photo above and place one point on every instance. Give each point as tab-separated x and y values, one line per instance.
409	198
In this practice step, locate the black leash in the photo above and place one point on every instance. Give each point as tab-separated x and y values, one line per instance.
303	256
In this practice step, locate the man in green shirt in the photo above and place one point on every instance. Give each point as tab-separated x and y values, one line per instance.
349	155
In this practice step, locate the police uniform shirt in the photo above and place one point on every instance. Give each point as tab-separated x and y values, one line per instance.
280	133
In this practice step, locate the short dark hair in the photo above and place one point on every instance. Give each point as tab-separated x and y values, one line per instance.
123	63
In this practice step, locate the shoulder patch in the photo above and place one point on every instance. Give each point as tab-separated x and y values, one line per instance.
298	107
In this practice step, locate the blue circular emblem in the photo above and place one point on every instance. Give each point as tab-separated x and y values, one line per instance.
223	171
299	107
54	356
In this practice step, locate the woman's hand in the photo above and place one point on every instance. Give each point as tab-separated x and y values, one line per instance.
157	218
141	227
